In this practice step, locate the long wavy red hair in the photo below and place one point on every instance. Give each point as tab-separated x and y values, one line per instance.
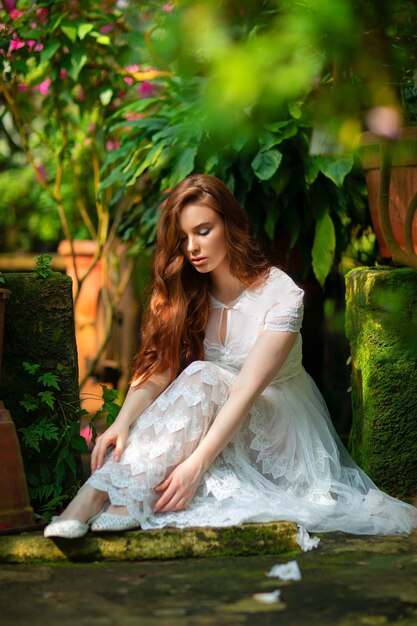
175	321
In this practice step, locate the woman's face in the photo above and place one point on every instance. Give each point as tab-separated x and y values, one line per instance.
203	240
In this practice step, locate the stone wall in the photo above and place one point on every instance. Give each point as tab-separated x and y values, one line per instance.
381	325
39	329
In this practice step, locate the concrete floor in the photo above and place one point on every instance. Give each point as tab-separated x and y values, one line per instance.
346	581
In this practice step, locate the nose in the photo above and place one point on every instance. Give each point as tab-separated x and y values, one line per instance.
192	245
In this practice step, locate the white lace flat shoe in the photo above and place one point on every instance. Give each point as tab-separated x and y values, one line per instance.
68	528
107	522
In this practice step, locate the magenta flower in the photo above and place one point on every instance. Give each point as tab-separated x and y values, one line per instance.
22	87
146	89
107	29
63	73
9	5
38	47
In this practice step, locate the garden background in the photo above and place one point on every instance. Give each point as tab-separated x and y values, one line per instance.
105	106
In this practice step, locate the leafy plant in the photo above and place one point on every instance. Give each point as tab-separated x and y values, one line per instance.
43	265
52	442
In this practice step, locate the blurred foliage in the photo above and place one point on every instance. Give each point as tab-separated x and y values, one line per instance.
256	93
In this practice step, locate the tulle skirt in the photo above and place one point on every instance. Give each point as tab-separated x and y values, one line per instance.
285	463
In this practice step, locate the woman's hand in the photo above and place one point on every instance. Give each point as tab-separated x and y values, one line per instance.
115	435
179	488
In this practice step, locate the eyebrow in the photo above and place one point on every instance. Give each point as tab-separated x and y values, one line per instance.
199	226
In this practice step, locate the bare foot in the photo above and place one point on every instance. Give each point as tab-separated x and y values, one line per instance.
87	502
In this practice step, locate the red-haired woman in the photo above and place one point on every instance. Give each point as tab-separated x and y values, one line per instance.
222	425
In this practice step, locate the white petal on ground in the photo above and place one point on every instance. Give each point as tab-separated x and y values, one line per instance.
305	541
268	598
287	571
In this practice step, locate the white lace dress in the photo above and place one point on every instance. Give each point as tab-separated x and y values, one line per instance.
285	463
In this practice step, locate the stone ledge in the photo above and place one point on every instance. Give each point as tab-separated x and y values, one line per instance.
139	545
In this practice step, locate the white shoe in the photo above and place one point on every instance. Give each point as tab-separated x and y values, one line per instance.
107	522
68	528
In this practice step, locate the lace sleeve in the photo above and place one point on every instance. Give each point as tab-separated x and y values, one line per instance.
287	313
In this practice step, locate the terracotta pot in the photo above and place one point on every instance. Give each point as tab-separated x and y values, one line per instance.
403	184
15	510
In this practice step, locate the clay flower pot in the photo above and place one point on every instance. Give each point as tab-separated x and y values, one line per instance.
403	184
15	510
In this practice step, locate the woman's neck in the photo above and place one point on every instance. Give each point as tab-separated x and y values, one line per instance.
224	286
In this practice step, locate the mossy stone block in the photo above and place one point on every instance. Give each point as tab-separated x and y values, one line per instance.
39	328
381	325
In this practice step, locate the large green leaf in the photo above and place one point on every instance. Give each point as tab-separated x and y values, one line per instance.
49	50
266	163
335	169
323	248
184	165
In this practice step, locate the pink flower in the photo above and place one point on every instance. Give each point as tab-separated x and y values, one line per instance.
146	89
15	14
107	29
42	15
131	117
30	44
63	73
112	144
132	68
41	171
43	87
167	7
38	47
128	80
15	44
87	433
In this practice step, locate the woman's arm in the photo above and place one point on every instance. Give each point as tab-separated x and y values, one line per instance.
137	400
265	359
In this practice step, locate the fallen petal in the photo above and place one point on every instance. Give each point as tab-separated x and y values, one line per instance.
305	541
268	598
287	571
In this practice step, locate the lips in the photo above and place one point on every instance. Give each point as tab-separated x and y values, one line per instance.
199	259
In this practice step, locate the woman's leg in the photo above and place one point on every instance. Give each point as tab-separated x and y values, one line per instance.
87	502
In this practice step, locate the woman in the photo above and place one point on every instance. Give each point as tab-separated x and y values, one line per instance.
221	424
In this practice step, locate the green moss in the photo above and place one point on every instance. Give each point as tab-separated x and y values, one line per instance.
381	325
168	543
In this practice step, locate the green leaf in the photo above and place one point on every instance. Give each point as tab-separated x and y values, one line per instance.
265	164
70	32
108	394
29	402
334	168
71	464
324	247
78	60
295	110
184	165
84	29
32	368
49	380
49	50
104	40
48	398
106	96
79	443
